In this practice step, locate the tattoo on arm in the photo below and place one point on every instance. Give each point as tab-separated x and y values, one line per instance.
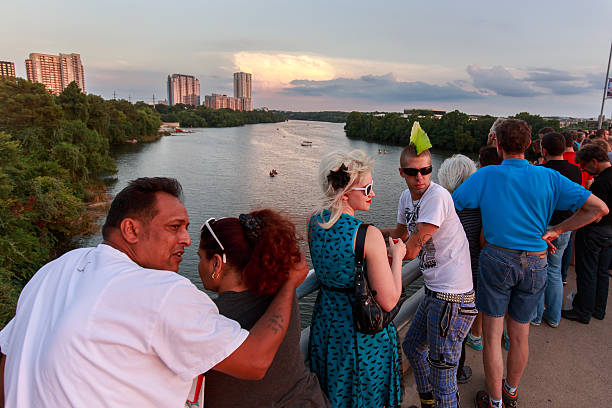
421	240
276	323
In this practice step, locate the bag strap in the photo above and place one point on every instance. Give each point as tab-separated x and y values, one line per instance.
360	243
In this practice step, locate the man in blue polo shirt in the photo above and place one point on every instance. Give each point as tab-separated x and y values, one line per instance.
516	201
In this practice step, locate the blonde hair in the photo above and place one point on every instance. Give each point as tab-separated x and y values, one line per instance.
454	171
357	164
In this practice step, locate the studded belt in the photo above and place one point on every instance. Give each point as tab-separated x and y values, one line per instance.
452	297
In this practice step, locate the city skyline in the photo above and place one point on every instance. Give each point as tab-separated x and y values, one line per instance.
545	57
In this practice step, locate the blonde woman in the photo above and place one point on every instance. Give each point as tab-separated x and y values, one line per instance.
354	369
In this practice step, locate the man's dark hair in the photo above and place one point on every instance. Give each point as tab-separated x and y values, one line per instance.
554	143
599	133
545	130
137	200
514	136
488	156
569	138
589	152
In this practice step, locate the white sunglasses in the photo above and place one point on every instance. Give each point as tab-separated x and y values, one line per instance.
207	225
367	189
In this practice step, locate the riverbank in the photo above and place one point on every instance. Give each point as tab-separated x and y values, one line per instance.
203	117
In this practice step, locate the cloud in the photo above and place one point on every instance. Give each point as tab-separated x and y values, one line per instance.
595	80
500	81
531	82
549	75
272	70
559	82
277	70
382	88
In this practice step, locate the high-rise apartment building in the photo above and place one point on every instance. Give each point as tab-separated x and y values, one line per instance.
72	70
242	85
56	71
243	89
183	89
7	69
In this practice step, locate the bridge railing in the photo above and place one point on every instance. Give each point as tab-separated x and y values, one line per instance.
410	273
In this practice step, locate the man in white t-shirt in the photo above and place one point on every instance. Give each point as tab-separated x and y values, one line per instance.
426	214
116	326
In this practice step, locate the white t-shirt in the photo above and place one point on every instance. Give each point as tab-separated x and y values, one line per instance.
445	258
94	329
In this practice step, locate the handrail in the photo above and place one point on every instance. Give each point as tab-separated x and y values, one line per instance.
410	273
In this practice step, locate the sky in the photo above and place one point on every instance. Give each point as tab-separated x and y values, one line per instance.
481	57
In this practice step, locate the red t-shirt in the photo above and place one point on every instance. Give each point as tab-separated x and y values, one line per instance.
571	157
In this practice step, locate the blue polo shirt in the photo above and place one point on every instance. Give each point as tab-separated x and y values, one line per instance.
516	200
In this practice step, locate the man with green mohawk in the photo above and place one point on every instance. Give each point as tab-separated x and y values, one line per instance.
426	217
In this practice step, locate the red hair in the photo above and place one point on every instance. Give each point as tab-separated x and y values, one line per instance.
264	262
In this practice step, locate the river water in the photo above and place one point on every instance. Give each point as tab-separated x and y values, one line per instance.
225	172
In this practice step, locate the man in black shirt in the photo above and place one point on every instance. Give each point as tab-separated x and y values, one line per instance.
593	243
549	308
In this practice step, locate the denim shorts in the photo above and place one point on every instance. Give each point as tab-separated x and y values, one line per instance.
512	281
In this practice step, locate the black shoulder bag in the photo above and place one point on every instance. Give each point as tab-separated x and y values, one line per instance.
368	316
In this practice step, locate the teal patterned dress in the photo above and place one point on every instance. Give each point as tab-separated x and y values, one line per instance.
354	369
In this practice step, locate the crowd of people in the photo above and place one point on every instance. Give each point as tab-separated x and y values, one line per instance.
115	325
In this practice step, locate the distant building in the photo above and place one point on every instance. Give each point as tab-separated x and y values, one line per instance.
242	99
183	89
436	113
56	71
158	102
243	89
7	69
218	101
242	85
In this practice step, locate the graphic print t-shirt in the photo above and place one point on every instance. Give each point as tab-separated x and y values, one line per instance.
445	258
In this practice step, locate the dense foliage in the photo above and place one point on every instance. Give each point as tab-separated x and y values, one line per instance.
201	116
455	131
52	152
326	116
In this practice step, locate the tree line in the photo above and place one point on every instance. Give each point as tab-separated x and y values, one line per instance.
53	152
325	116
454	131
201	116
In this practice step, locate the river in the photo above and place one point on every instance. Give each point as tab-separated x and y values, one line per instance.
225	172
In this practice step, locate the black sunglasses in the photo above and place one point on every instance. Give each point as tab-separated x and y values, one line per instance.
409	171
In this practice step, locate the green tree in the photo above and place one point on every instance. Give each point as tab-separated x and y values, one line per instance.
73	103
536	122
464	142
26	105
98	115
480	129
443	135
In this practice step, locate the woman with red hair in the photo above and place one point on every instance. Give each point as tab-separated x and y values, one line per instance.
246	260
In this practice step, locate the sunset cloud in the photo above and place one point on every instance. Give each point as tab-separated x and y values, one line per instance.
274	70
277	70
